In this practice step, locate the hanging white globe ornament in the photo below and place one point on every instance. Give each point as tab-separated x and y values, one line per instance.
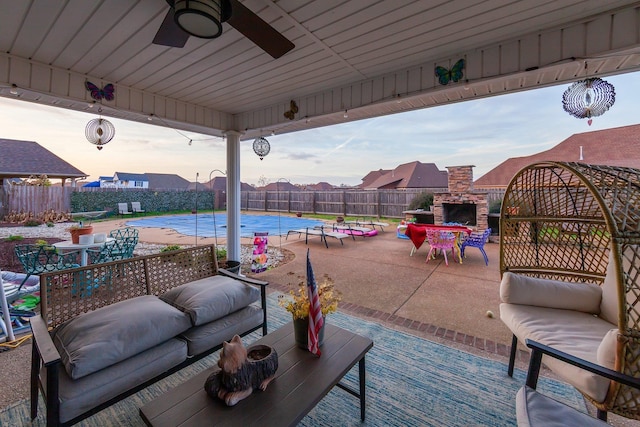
261	147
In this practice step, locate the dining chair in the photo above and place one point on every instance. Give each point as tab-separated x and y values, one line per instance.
441	240
476	240
37	259
117	249
121	233
105	253
125	247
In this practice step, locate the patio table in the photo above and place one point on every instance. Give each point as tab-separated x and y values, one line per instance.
69	245
302	380
418	233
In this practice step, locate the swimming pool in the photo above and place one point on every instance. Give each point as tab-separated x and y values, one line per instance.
186	224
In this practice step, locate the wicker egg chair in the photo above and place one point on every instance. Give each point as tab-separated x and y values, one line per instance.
564	221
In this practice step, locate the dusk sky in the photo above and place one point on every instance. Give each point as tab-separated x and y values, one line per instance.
483	133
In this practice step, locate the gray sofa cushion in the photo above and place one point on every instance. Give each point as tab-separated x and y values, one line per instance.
205	337
108	335
537	410
79	396
211	298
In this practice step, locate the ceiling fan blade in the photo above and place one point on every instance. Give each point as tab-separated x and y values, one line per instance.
258	31
169	34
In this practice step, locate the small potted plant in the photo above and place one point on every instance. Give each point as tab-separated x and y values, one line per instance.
298	306
223	262
78	230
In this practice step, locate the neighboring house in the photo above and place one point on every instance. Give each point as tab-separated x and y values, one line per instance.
220	183
22	159
279	186
321	186
371	177
166	181
106	182
130	180
200	186
409	175
614	147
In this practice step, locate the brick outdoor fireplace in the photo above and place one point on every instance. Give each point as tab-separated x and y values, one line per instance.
461	204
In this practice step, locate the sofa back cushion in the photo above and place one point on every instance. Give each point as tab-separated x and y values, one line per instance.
211	298
111	334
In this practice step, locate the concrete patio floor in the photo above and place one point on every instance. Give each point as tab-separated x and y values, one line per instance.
379	281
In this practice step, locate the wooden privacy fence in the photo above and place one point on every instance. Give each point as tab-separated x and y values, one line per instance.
375	203
35	199
370	203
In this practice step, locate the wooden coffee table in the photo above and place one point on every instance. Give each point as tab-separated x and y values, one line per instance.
301	382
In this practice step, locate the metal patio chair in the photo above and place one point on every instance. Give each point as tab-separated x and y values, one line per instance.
37	259
441	240
476	240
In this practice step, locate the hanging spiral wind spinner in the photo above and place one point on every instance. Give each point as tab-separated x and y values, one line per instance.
588	98
261	147
99	131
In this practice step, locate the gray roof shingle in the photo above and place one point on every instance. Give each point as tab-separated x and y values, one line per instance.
166	181
25	158
614	147
410	175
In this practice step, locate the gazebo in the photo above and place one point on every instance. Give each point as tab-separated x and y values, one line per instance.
23	159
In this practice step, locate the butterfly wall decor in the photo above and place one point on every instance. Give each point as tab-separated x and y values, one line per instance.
454	74
107	92
293	109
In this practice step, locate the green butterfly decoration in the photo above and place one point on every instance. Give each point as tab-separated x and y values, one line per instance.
454	74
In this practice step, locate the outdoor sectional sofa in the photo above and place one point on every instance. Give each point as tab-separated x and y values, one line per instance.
108	330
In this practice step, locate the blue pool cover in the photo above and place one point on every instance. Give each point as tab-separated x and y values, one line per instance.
186	224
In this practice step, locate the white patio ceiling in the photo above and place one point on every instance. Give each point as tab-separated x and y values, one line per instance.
369	57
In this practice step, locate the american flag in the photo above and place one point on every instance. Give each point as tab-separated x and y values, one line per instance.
315	311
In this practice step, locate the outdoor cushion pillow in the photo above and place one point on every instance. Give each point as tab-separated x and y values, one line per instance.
211	298
108	335
520	289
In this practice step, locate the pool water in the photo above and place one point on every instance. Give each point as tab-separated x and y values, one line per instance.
186	224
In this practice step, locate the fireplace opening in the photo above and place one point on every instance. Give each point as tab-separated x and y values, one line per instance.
463	213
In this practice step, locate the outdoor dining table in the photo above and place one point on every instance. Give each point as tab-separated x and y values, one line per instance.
70	246
417	233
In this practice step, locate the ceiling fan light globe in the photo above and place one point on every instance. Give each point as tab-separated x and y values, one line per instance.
200	18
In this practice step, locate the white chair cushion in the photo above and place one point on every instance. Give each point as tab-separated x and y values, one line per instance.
573	332
519	289
607	349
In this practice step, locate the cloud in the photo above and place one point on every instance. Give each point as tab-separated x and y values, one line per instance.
339	147
301	156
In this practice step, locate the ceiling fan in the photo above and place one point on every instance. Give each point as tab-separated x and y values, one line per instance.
204	18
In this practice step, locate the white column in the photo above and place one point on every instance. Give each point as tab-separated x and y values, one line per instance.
233	196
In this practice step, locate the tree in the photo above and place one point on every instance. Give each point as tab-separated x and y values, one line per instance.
263	181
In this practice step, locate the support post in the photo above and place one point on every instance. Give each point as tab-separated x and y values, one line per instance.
233	196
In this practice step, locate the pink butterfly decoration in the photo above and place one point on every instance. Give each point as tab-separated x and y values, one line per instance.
107	93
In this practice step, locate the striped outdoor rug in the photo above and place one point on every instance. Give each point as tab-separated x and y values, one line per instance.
410	382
